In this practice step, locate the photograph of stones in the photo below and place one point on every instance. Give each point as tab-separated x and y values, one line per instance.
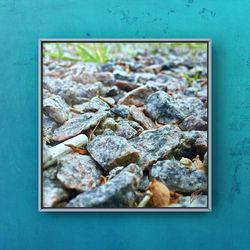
124	125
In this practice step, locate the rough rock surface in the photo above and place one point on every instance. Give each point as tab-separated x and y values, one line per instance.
178	177
115	193
56	108
143	120
112	151
53	193
126	130
156	144
193	123
77	124
200	201
164	108
78	172
95	104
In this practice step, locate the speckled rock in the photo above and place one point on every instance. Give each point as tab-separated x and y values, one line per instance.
139	117
200	201
179	178
115	193
76	125
49	125
122	111
78	172
126	130
136	97
164	108
56	108
95	104
193	106
112	151
143	78
122	75
53	193
156	144
193	123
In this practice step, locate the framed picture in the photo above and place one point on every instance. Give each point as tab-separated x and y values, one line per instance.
125	125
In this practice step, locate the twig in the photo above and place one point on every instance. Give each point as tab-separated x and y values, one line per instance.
145	199
90	136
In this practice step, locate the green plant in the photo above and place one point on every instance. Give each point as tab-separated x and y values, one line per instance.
58	54
96	52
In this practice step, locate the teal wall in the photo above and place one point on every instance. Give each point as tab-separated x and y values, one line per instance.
23	23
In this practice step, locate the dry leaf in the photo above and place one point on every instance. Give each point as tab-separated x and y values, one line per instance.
198	163
174	197
106	100
80	151
103	180
77	111
160	194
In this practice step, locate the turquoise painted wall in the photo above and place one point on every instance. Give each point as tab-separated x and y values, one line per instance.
23	23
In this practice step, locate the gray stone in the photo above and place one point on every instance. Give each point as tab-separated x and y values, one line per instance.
143	78
49	125
115	193
126	130
179	178
193	106
164	108
156	144
121	110
188	201
53	193
56	108
193	123
78	172
95	104
112	151
139	117
122	75
77	124
192	143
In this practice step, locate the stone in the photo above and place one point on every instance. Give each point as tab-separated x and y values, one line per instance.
111	151
78	172
53	193
139	117
193	123
114	172
49	125
56	108
109	123
179	178
156	144
126	130
122	111
136	97
200	201
123	76
95	104
116	193
77	124
193	106
143	78
192	143
164	108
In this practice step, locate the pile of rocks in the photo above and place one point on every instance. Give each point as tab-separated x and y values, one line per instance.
141	117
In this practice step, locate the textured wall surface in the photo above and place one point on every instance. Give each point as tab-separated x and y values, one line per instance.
23	23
